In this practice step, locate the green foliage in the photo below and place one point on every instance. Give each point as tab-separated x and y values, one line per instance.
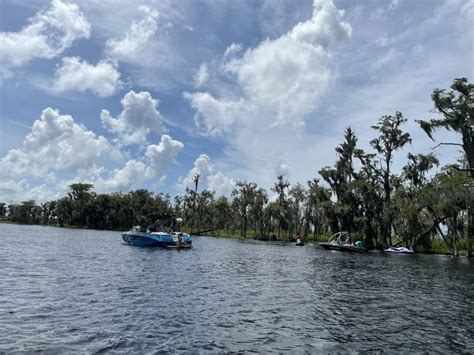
457	108
418	207
3	210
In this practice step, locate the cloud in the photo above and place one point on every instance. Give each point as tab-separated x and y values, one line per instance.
134	173
393	6
59	151
291	73
162	155
76	74
202	166
270	93
215	117
136	37
131	175
382	12
282	168
468	9
48	34
220	184
280	81
231	51
387	58
201	76
56	144
208	178
12	190
139	117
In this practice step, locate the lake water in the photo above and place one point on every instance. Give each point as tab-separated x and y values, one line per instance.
64	290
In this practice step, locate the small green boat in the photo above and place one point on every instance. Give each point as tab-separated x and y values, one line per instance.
299	242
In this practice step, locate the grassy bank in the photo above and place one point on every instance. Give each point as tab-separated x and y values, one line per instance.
437	246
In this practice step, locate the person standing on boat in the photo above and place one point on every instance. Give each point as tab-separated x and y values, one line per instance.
178	224
173	224
157	226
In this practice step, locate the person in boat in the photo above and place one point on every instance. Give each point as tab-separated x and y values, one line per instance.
348	241
180	240
155	227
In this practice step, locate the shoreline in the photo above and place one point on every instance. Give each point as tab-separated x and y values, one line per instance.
225	236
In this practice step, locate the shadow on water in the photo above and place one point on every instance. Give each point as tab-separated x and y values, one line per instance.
67	290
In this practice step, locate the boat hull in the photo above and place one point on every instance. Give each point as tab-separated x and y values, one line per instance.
144	239
399	250
348	248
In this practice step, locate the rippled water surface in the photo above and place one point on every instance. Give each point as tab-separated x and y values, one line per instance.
64	290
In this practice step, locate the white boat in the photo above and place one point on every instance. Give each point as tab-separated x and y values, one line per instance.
342	242
400	250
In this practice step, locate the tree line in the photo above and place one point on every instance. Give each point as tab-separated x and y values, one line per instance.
360	193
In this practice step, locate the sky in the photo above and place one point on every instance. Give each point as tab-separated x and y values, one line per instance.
145	94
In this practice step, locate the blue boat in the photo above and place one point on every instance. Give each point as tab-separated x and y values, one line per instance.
156	239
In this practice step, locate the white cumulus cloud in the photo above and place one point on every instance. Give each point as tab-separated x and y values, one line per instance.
280	81
155	163
130	176
290	74
139	117
220	184
267	94
208	178
56	144
59	151
76	74
47	35
215	116
161	155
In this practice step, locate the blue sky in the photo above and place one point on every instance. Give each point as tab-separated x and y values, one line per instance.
127	95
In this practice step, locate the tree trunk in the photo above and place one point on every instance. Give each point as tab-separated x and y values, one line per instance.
370	235
470	231
306	227
199	221
245	226
468	146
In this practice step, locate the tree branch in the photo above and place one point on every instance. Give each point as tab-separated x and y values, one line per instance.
436	146
461	169
374	169
444	112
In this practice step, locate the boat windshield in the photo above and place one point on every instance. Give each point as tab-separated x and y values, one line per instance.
340	238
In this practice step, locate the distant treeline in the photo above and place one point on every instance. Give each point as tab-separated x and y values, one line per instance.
417	207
